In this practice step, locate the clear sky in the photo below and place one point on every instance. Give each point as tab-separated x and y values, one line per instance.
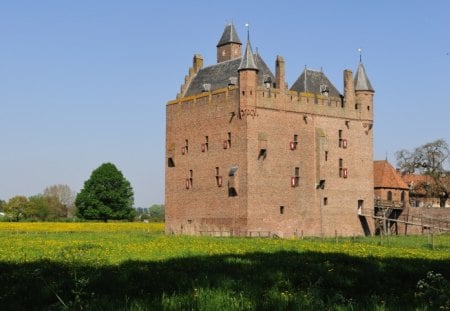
86	82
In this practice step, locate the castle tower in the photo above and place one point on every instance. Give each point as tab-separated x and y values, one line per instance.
363	92
247	79
229	46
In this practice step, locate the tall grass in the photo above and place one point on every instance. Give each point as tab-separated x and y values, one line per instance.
135	267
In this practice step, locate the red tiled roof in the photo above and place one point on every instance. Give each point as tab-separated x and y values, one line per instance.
385	176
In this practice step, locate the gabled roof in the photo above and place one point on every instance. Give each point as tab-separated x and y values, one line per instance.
310	81
248	61
229	36
385	176
362	82
218	75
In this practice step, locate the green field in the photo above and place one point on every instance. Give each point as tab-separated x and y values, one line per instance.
134	266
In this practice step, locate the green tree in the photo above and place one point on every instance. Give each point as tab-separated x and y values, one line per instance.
17	207
106	195
45	208
156	212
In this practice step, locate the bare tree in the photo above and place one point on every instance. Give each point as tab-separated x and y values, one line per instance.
431	160
65	196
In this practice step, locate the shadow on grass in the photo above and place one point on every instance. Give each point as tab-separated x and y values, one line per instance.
256	281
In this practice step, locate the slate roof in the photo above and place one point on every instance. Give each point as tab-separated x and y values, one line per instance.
385	176
248	61
361	80
314	79
229	36
218	75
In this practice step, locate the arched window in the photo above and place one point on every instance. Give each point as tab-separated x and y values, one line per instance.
389	196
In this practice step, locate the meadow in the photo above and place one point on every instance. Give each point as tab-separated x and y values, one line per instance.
134	266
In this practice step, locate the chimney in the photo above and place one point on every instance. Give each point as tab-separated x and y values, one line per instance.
280	73
197	63
349	88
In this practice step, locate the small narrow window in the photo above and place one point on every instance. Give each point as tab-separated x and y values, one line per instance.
243	93
295	140
281	210
297	176
340	138
389	196
206	143
229	140
325	201
341	168
170	162
191	178
218	177
326	156
186	146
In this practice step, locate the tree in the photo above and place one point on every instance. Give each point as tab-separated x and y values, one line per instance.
105	195
45	207
429	159
17	207
64	195
156	212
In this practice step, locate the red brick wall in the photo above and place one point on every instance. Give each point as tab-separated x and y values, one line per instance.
268	119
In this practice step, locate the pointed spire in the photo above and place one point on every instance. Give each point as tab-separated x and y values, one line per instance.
362	82
229	36
248	60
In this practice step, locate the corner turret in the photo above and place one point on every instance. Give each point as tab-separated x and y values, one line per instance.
248	77
363	91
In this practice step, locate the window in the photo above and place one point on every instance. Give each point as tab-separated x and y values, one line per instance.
218	177
281	210
170	162
295	140
232	192
360	206
340	138
206	143
186	146
389	196
341	168
326	156
325	201
229	140
296	179
191	178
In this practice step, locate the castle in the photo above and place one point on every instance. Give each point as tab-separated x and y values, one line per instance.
246	156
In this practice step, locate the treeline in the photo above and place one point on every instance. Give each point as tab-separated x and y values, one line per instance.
106	195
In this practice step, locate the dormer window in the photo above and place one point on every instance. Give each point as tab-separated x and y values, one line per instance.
267	81
324	90
206	87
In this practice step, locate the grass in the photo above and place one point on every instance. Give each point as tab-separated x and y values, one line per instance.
135	267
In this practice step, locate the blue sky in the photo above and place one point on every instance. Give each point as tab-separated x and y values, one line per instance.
86	82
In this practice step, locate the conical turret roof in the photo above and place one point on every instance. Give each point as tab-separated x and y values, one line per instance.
229	36
362	82
248	60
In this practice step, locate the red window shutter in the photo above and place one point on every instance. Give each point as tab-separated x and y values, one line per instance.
188	183
293	181
292	145
225	144
344	143
203	147
345	173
